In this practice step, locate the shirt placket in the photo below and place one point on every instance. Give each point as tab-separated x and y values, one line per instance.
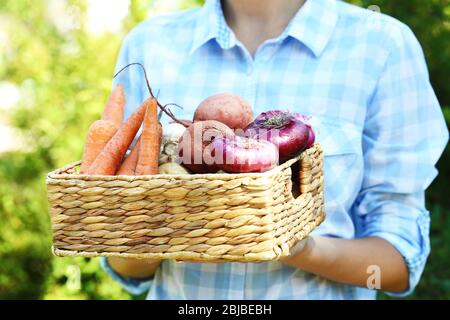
253	68
238	270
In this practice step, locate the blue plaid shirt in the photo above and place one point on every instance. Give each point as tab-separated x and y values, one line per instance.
361	76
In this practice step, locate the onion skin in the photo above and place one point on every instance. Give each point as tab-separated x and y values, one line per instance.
311	138
283	129
192	144
312	135
243	155
230	109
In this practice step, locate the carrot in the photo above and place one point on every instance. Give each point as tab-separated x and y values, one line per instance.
100	132
150	141
109	160
128	167
115	106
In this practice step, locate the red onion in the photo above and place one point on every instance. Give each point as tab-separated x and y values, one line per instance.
283	129
306	121
241	155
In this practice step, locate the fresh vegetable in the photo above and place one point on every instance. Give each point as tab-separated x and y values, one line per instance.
109	160
169	149
232	110
283	129
128	166
173	132
240	154
150	141
105	150
100	132
311	134
115	106
169	152
195	139
172	168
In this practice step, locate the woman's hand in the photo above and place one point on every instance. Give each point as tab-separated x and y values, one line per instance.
340	260
351	261
134	268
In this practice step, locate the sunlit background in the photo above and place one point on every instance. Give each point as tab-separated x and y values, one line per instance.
56	64
101	17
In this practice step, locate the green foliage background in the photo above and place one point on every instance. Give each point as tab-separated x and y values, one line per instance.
64	78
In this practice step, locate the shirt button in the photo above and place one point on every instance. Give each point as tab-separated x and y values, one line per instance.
249	70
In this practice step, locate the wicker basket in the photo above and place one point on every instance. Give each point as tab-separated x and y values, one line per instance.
207	217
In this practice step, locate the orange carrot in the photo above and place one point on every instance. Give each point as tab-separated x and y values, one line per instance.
109	160
150	141
128	167
115	106
100	132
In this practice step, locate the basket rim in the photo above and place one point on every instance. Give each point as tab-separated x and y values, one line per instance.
61	174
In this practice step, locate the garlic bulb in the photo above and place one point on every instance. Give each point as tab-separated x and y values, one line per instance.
173	132
169	146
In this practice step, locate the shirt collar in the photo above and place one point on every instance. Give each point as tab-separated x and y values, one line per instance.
313	25
211	24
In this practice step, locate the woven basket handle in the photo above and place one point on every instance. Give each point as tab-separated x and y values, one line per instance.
305	175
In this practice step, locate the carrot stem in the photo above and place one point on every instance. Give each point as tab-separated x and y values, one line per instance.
163	108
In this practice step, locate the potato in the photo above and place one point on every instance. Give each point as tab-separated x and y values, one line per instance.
229	109
194	141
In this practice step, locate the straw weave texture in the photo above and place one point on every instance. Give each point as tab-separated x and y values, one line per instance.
202	217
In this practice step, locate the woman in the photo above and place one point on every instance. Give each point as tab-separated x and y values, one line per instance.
362	77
